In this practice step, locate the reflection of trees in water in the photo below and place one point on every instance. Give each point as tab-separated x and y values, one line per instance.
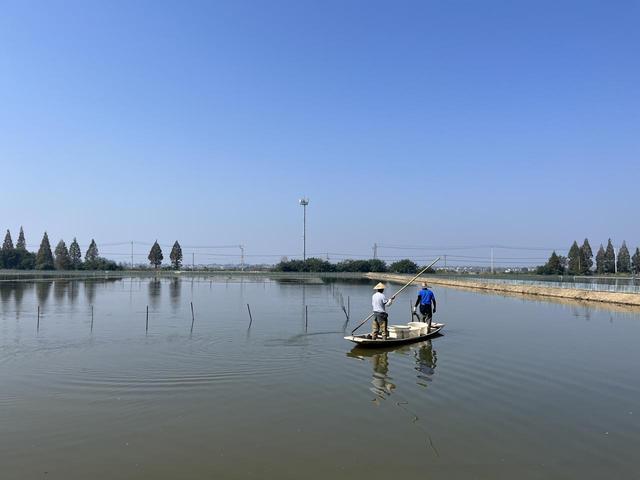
426	360
90	291
42	291
74	287
18	292
174	292
5	292
60	289
154	292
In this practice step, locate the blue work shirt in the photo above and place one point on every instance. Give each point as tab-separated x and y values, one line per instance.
426	296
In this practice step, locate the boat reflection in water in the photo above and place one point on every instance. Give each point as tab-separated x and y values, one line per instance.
382	385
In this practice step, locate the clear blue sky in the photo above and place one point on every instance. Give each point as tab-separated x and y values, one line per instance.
406	123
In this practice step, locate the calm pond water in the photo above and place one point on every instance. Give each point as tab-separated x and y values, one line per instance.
514	388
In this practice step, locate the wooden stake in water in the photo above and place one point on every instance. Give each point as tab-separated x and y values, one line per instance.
92	318
38	326
193	318
348	307
306	317
147	326
250	317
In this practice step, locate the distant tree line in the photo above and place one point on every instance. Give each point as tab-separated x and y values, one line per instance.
371	265
579	261
62	258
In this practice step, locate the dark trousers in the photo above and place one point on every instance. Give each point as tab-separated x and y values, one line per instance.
426	314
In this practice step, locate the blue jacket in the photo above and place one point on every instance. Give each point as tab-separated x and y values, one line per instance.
426	297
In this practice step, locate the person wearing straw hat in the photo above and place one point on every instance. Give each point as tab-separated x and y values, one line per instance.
379	302
426	299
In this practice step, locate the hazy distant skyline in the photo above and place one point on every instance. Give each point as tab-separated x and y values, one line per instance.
406	123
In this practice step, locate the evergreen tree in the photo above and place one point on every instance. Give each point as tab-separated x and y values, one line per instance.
18	257
624	260
600	260
44	257
635	261
575	260
554	266
564	262
25	260
92	253
22	243
62	260
176	256
75	255
155	255
586	256
609	258
7	246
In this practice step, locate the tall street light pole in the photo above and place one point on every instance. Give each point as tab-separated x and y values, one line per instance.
304	202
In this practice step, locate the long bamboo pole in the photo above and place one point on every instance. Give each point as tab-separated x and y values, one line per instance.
398	292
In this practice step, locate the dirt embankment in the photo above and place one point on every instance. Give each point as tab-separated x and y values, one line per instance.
630	299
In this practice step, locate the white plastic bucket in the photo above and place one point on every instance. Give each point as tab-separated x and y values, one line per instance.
400	331
418	328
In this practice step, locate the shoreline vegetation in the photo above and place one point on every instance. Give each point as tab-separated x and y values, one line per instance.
18	257
579	260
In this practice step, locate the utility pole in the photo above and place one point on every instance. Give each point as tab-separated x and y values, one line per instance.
304	202
131	255
445	262
193	261
241	257
491	259
615	260
375	251
579	266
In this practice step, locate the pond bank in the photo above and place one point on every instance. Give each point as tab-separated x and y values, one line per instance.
630	299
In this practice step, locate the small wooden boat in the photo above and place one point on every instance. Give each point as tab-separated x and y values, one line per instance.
365	340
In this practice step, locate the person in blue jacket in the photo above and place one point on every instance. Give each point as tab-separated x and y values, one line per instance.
426	300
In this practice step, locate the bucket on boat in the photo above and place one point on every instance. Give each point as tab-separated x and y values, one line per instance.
418	328
399	331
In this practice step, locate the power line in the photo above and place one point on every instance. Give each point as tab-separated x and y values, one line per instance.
465	247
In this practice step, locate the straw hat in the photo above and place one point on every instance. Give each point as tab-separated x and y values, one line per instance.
379	286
